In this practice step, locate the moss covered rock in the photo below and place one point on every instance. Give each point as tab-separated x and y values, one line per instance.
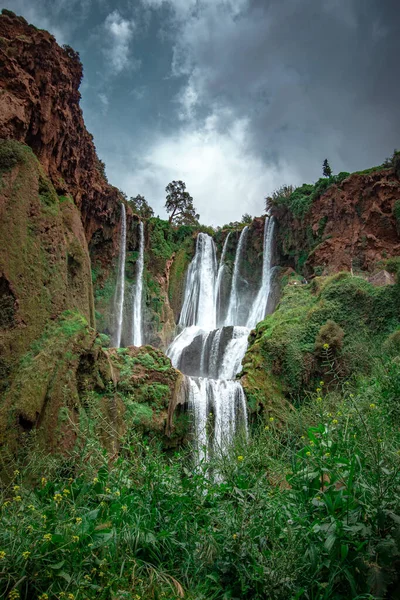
67	382
44	261
328	329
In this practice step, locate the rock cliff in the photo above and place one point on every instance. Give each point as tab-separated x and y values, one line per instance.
352	225
39	105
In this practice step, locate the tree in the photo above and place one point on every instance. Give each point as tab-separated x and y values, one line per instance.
141	207
279	196
180	204
247	219
326	170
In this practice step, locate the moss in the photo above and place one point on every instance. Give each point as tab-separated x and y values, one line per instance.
11	154
177	279
345	311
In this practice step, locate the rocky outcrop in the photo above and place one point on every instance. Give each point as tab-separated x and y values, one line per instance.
39	105
352	226
68	382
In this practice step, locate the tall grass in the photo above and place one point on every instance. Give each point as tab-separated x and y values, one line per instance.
307	509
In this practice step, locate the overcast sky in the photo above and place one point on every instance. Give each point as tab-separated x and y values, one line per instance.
235	97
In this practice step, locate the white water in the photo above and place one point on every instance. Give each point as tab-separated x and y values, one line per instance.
137	292
212	357
220	275
120	290
259	307
234	300
199	300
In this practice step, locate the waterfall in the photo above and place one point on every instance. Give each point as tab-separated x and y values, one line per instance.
120	289
234	300
210	357
220	274
199	300
137	292
259	307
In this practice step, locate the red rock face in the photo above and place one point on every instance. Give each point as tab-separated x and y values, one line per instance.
39	105
351	226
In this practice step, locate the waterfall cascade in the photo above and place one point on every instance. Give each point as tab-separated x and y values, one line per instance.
120	290
137	292
211	357
134	334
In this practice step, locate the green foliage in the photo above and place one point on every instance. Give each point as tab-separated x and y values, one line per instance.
308	505
141	207
310	316
246	219
396	211
326	169
180	204
11	152
330	335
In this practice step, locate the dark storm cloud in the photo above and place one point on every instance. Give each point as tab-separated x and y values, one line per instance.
313	78
234	96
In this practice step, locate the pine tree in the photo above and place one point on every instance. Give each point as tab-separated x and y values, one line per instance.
326	170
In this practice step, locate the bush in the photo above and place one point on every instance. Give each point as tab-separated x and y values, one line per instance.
330	335
11	153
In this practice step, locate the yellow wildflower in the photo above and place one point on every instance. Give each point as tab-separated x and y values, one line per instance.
321	383
44	597
240	457
26	554
318	390
14	594
16	472
71	597
326	346
16	488
44	517
95	480
327	454
124	507
372	406
107	490
266	428
308	453
101	574
6	503
29	528
117	493
75	538
47	537
335	421
31	507
272	419
66	492
78	520
319	399
87	577
57	498
44	481
17	499
234	536
2	555
312	443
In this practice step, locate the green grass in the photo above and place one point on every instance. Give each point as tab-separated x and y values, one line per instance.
303	509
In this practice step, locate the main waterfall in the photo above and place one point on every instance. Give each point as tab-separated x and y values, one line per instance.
211	356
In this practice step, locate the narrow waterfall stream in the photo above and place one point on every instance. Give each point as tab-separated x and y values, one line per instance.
210	355
137	293
120	289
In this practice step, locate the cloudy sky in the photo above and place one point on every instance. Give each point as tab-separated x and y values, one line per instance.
235	97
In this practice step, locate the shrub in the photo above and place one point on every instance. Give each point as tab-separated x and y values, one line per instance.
330	335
